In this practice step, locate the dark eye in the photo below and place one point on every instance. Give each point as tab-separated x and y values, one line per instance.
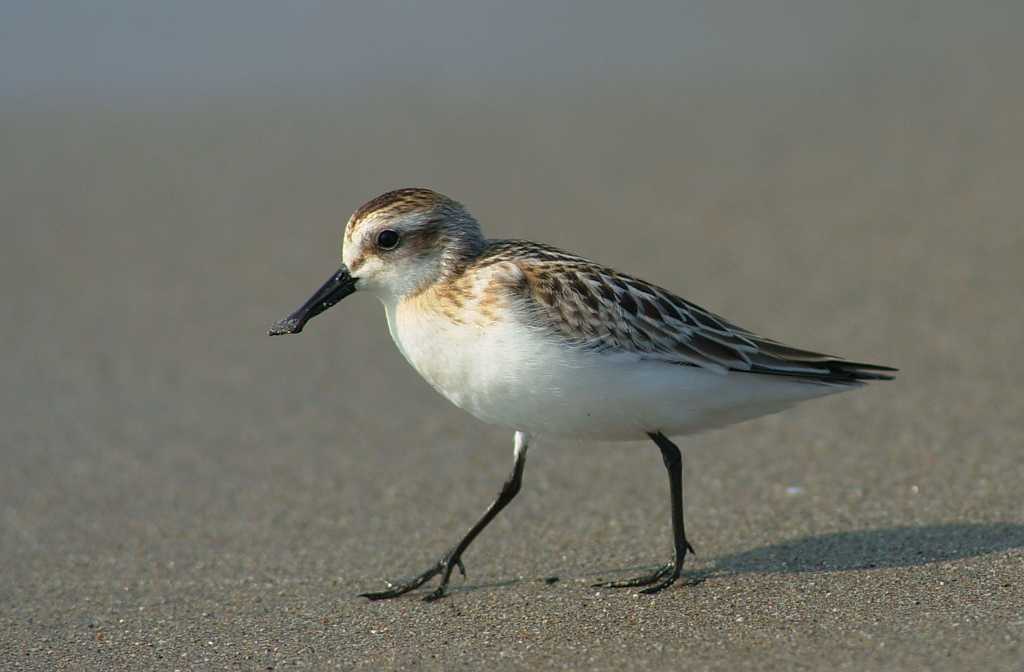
387	239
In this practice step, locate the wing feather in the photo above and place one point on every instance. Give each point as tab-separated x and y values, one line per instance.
594	307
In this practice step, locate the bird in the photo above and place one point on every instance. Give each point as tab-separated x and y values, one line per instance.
544	342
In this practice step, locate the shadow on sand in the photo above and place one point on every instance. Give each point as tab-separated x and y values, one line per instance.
872	549
837	552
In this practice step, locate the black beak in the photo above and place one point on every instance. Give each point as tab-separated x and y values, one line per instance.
337	287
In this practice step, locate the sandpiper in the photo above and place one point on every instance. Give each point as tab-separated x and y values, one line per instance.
542	341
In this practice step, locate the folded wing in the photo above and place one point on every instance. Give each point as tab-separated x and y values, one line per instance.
594	307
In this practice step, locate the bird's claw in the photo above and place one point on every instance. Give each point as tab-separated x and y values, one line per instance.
443	567
656	581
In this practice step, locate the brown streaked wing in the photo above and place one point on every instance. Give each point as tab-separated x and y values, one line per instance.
594	307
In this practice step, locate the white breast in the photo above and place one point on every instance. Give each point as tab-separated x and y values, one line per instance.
483	370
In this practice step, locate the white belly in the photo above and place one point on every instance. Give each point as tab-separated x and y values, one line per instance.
507	375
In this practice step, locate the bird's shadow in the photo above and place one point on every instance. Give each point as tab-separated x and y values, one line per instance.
836	552
875	549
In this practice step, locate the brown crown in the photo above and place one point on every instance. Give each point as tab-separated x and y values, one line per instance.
401	201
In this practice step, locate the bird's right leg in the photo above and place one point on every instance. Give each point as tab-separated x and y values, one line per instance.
665	576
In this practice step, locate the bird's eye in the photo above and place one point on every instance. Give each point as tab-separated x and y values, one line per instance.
387	239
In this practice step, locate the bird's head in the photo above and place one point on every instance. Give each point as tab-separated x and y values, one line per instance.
394	246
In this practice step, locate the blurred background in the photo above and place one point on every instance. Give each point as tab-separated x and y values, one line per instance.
175	176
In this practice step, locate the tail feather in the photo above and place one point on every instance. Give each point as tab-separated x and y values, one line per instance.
777	359
828	371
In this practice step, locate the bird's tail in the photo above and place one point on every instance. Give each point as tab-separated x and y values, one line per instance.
776	359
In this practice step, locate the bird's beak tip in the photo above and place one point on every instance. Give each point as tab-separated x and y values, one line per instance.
289	325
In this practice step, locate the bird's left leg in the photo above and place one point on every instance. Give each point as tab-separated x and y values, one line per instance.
453	558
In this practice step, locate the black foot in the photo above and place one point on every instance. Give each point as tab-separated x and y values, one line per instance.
657	581
443	567
662	578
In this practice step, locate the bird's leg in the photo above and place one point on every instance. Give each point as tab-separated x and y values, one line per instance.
667	575
453	558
